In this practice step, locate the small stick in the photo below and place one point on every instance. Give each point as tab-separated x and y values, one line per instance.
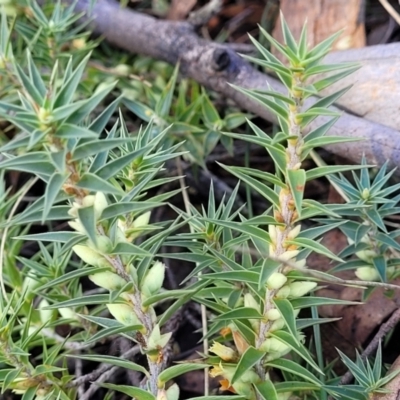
103	368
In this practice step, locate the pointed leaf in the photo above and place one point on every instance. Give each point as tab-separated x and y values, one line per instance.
177	370
70	131
87	218
268	193
96	146
381	266
110	169
131	391
330	80
286	309
296	346
294	368
240	313
69	87
248	359
268	267
130	249
266	390
266	101
96	184
53	188
297	181
314	246
120	362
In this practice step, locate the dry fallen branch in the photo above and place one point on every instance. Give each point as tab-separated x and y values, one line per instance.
215	65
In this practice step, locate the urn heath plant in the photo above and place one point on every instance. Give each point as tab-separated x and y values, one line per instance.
83	265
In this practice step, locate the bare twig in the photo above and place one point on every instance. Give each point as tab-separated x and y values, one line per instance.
105	376
390	9
78	373
103	368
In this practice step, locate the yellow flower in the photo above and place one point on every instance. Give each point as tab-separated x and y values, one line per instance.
224	352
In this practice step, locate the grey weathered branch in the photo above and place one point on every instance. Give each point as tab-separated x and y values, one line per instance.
215	65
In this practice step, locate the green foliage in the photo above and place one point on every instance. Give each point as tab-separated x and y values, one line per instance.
192	116
105	182
374	246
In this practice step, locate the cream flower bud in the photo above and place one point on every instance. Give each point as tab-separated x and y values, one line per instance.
276	281
365	194
100	203
30	284
88	255
277	325
103	245
273	345
138	226
272	233
224	352
288	255
173	392
68	313
43	115
123	313
108	280
271	249
299	289
73	211
283	293
154	279
296	166
367	274
244	389
88	200
390	271
162	394
275	355
250	376
284	396
77	226
251	302
301	264
366	255
120	236
45	315
142	220
273	314
294	232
